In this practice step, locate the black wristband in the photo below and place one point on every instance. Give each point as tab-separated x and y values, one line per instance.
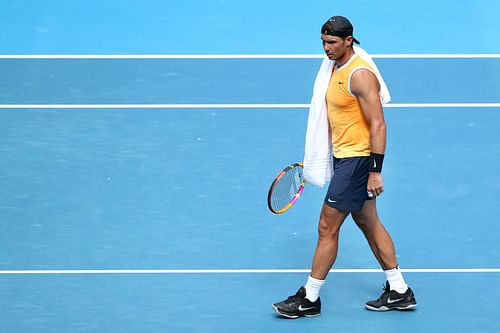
375	162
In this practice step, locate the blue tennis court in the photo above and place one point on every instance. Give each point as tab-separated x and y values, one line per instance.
133	189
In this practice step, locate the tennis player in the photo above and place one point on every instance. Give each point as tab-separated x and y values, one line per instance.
358	136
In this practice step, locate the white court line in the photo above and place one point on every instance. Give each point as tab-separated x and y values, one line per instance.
235	271
151	106
442	105
238	56
231	106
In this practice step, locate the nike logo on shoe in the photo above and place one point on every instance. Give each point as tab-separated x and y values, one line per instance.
391	301
305	309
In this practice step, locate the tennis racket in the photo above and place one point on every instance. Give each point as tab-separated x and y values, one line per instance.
286	188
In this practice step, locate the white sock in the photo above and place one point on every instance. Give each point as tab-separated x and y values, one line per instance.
396	280
312	288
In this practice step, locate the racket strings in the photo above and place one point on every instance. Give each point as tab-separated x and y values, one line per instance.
286	188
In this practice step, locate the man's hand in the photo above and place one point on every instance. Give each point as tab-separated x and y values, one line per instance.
375	184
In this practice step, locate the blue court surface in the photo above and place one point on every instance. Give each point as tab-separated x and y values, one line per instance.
133	189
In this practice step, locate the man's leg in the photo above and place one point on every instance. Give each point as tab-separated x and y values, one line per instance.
330	221
306	301
375	233
397	295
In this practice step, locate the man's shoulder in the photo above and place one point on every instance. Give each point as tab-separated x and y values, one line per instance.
363	80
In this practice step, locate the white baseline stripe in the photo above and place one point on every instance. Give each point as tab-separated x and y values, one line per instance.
231	106
442	105
235	56
236	271
151	106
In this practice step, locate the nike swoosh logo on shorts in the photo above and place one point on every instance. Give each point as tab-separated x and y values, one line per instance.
332	201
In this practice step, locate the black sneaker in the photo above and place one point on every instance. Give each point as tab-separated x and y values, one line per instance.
392	300
298	306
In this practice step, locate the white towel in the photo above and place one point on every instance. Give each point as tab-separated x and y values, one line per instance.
318	168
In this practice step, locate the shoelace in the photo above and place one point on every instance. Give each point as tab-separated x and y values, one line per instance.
293	297
385	288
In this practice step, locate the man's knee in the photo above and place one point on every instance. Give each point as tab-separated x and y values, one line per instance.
330	221
361	222
367	219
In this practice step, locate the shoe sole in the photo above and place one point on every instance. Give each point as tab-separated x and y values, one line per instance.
385	308
293	316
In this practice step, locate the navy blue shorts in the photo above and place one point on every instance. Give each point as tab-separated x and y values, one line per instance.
347	191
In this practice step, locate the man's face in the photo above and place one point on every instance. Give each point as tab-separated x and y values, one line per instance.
334	46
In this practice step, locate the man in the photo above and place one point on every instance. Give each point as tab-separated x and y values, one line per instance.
358	135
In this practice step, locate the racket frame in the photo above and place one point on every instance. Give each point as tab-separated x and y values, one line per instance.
275	182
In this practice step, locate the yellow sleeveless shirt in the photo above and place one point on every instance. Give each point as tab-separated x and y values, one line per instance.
349	128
